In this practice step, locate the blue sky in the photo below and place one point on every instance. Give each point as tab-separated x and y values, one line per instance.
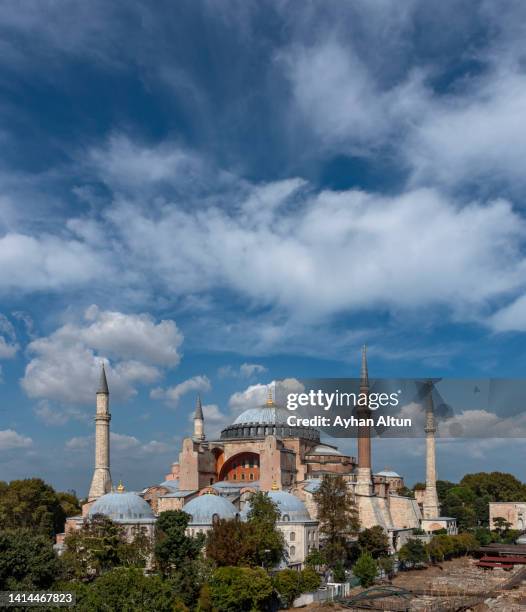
213	195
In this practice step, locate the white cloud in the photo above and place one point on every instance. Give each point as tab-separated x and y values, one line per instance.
10	439
8	344
173	395
64	366
122	445
511	317
30	263
245	370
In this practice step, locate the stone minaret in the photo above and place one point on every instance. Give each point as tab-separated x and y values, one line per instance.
430	503
199	422
101	482
364	481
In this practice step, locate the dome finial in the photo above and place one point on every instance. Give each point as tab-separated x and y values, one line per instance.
275	486
120	487
270	399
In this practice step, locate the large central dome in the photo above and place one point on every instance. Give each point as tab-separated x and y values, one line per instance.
264	415
266	420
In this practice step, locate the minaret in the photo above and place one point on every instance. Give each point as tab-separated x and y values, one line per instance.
101	482
199	421
430	503
364	481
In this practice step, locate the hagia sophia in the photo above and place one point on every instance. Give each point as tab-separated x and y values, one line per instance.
259	451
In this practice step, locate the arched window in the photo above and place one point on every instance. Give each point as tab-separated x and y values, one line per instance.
251	476
292	536
285	517
215	518
292	551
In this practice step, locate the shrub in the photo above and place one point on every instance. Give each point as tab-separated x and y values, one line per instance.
365	569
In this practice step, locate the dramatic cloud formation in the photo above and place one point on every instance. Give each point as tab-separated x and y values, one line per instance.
65	366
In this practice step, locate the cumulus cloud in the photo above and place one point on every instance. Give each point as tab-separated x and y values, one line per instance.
10	439
257	395
173	395
64	366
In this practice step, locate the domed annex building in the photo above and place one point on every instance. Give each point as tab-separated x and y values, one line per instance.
259	451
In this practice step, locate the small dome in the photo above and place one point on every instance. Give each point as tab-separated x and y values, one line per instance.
324	449
291	507
173	485
389	474
125	507
521	539
205	508
312	485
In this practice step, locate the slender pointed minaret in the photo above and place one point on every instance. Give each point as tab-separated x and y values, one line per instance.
199	421
431	508
364	480
101	481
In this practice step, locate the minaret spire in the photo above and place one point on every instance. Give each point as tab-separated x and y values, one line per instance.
364	480
103	383
101	481
430	504
199	421
364	373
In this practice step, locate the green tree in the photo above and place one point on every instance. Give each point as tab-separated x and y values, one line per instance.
386	565
240	589
69	503
498	486
178	556
204	603
124	590
337	515
375	541
27	560
365	569
264	541
460	503
288	584
33	504
173	548
315	558
309	580
100	546
228	543
501	525
412	553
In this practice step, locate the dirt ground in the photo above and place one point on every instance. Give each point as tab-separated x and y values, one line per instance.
453	581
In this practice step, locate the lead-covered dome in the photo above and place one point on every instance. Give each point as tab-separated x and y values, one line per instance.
207	508
291	508
267	420
122	507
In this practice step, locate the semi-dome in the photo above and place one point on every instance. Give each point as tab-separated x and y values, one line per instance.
291	508
206	508
122	507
